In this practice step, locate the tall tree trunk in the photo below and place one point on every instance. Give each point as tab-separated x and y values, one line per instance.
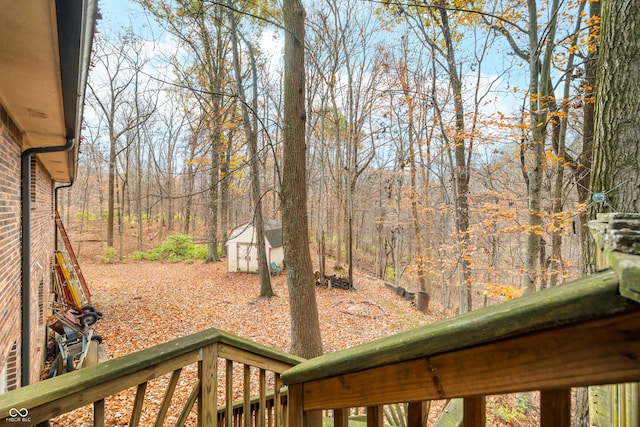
190	185
251	134
305	326
560	126
461	173
582	173
225	200
539	95
111	188
616	151
417	234
212	230
583	167
615	176
214	82
169	185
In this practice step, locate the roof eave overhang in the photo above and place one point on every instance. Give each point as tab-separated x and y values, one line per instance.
76	27
45	49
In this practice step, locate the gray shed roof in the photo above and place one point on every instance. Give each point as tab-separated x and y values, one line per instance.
273	232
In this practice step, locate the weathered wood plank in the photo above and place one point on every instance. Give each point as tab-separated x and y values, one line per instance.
137	405
168	395
253	347
246	395
631	409
262	414
228	413
295	405
595	352
184	414
208	375
91	392
627	267
617	237
98	413
243	356
587	298
555	408
278	415
130	366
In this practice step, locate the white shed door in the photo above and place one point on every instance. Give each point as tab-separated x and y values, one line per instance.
245	257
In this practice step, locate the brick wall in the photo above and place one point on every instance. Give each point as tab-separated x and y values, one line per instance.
10	150
42	247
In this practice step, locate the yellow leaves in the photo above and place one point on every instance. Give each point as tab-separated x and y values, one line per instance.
593	20
510	14
558	114
229	125
198	161
536	97
506	292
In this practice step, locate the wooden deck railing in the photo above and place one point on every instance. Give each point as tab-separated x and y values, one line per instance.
582	333
212	353
269	409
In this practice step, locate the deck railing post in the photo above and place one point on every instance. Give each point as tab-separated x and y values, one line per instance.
98	413
229	415
555	408
340	417
262	405
295	405
417	414
208	373
474	411
278	413
375	416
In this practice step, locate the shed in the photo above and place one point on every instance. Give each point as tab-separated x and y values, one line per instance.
242	251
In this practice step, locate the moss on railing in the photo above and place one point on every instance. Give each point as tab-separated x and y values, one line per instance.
588	298
617	238
96	382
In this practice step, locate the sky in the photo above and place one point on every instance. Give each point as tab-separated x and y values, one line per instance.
118	14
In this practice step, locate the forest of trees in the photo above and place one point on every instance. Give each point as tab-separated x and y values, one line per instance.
447	145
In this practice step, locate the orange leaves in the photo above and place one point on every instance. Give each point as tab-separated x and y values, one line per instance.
506	292
146	303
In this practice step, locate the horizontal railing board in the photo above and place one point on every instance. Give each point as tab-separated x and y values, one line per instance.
253	359
262	350
587	298
599	351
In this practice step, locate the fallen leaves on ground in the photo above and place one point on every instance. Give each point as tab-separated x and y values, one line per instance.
147	303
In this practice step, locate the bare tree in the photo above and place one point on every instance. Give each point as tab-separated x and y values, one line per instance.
111	96
250	125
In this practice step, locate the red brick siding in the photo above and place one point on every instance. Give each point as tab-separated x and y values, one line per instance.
13	371
10	150
42	247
